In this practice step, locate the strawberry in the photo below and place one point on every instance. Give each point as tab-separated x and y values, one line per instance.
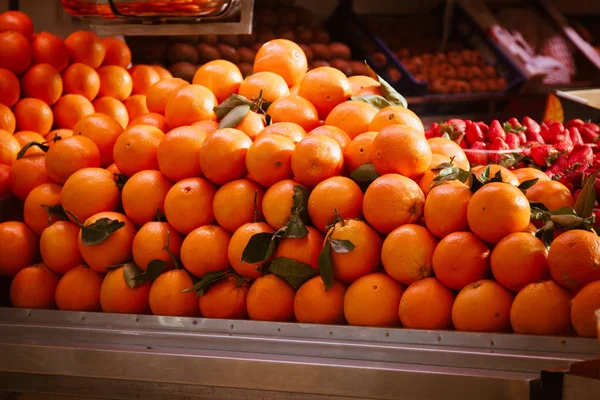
551	134
458	124
575	136
593	127
433	131
574	123
513	141
495	131
514	122
582	156
462	142
483	126
474	134
478	157
543	155
522	136
531	125
563	143
588	134
498	145
534	137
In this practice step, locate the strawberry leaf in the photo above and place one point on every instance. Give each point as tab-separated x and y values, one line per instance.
100	230
293	272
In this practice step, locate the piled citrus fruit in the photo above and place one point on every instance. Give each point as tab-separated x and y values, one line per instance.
279	197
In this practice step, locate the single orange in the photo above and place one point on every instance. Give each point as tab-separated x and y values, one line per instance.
85	47
18	21
159	94
115	81
552	194
188	204
8	122
314	304
268	84
223	155
450	149
353	117
136	149
179	153
5	192
102	130
277	203
10	87
396	115
190	104
435	165
26	137
270	298
284	58
237	203
162	71
143	196
214	241
337	194
117	297
316	158
19	247
325	88
116	52
33	287
79	290
373	300
360	82
150	243
483	306
335	133
49	48
143	76
221	77
112	108
33	115
526	174
34	214
426	304
15	52
153	119
9	148
304	250
573	259
237	244
58	246
136	106
445	208
42	81
225	299
584	305
81	79
507	175
294	109
27	173
69	155
402	150
290	130
167	296
268	159
70	109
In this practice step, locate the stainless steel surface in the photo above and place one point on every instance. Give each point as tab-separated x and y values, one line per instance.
205	356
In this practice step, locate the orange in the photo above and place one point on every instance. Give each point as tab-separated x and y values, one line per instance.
373	300
190	104
335	133
552	194
33	287
136	149
18	21
70	109
116	52
90	191
269	159
58	246
270	298
542	308
426	304
225	299
8	122
353	117
314	304
325	88
207	126
79	290
10	88
49	48
483	306
316	158
526	174
159	94
426	180
117	297
113	168
5	192
583	307
237	244
364	258
34	214
303	250
56	135
252	124
284	58
277	203
136	106
573	259
81	79
234	204
445	208
179	153
290	130
360	82
85	47
42	82
33	115
143	76
19	247
150	243
221	77
214	242
223	155
272	86
103	130
460	259
115	81
339	194
27	173
25	137
407	253
396	115
518	260
496	210
450	149
167	295
507	176
162	71
188	204
112	251
69	155
9	148
294	109
143	196
402	150
112	108
15	52
391	201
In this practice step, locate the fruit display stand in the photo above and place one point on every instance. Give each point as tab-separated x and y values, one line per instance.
135	356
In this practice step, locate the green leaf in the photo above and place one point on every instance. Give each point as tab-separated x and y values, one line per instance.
29	145
587	198
509	128
234	117
295	228
99	231
300	203
450	174
564	211
342	246
293	272
134	276
485	174
546	233
257	248
566	221
205	281
375	100
326	265
389	93
229	104
444	165
366	173
496	178
528	184
56	211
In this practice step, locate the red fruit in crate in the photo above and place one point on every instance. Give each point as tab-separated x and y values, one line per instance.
582	156
522	137
543	155
593	127
478	158
534	137
552	134
514	122
513	141
563	143
498	145
484	127
458	124
575	136
588	135
474	134
574	123
433	131
495	131
531	125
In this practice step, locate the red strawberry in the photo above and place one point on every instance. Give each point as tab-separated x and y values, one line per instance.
474	134
543	155
531	125
513	141
593	127
433	131
514	122
588	134
495	131
498	145
575	136
574	123
477	154
534	137
458	124
551	134
522	137
582	156
484	127
462	141
563	143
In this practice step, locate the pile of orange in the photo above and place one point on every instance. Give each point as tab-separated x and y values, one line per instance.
154	178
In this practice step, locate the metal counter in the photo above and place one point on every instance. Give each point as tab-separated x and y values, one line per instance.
149	357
